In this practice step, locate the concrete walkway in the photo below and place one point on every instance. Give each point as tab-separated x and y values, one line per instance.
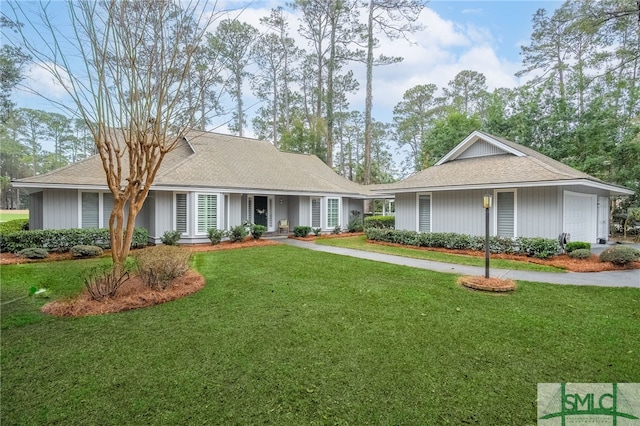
629	278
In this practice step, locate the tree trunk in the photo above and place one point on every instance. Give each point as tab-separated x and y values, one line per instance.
369	98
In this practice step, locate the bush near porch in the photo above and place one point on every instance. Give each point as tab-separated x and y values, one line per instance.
537	247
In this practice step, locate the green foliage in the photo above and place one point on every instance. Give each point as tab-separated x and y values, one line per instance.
382	222
337	230
301	231
355	223
316	231
61	240
237	233
171	238
536	247
86	251
215	235
159	265
33	253
257	231
14	225
577	245
620	255
580	253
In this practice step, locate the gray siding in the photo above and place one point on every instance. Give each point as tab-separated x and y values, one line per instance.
281	205
481	149
235	210
293	212
539	213
304	211
163	213
61	207
406	212
458	211
35	210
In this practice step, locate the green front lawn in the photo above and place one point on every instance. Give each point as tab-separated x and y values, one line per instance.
360	243
288	336
7	215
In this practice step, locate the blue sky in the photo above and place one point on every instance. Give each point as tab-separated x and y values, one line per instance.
484	36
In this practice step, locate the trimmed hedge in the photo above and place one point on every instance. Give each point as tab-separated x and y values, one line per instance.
536	247
61	240
14	225
301	231
33	253
86	251
580	254
620	255
577	245
380	222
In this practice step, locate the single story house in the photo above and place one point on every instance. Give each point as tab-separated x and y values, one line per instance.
533	195
210	180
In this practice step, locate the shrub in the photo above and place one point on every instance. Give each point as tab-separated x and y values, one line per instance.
620	255
14	225
383	222
101	283
61	240
580	253
337	230
215	235
301	231
355	223
538	247
86	251
577	245
159	265
316	231
257	231
33	253
171	238
237	233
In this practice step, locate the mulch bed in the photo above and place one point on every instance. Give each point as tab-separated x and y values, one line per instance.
495	285
592	264
133	294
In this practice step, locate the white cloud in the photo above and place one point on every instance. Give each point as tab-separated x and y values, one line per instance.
40	80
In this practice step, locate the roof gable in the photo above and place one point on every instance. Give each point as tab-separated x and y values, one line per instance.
479	144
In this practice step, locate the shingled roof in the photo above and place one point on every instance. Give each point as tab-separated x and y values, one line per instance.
508	165
213	160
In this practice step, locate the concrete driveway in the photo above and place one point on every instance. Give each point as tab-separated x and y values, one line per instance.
628	278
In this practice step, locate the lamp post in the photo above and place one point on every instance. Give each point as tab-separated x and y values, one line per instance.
486	203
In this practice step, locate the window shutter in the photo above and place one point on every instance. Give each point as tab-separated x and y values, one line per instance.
424	213
315	213
270	213
332	212
250	209
107	206
506	214
207	212
90	210
181	213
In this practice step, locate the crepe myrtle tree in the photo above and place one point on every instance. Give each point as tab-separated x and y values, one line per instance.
124	66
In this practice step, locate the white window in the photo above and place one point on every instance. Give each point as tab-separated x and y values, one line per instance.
181	213
424	212
207	212
90	207
315	213
95	209
333	212
505	213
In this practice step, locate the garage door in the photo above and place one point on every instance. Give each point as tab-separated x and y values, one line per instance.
579	216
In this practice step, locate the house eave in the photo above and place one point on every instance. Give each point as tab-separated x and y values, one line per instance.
615	190
473	138
34	187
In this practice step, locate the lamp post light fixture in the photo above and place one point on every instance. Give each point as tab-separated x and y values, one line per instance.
486	203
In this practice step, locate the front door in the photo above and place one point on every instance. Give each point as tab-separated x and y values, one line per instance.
260	212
